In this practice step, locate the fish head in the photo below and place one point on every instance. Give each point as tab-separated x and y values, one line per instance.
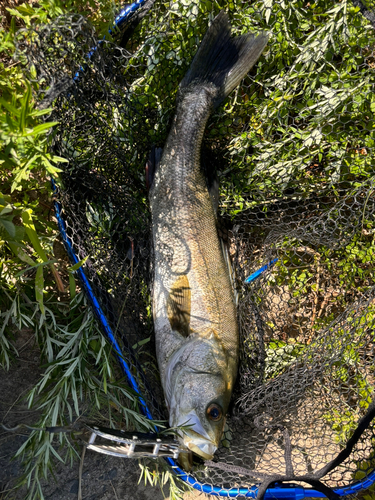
199	387
200	414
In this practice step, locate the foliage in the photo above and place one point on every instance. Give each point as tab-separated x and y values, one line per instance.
157	474
37	289
81	378
363	470
308	105
346	371
280	355
304	105
27	234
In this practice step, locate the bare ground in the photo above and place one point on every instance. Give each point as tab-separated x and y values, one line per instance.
103	477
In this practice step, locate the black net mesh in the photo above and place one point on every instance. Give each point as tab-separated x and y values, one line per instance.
293	150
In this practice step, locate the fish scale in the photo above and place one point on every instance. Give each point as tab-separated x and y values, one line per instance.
194	311
192	220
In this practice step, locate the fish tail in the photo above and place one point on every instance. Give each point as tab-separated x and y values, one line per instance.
221	61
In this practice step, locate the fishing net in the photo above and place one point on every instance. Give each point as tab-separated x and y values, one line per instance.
292	147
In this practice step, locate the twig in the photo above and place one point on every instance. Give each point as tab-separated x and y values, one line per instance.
327	296
13	64
114	491
5	489
80	473
32	337
13	404
21	426
316	294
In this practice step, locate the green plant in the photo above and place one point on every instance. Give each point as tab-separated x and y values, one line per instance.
279	356
363	469
80	369
305	108
157	474
299	126
81	378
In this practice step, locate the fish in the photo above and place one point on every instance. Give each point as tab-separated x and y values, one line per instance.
194	311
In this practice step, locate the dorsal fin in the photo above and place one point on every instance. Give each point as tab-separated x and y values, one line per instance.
179	305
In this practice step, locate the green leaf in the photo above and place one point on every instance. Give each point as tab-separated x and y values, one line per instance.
57	455
21	254
34	266
22	174
9	227
6	210
267	6
41	112
4	199
13	27
59	159
78	264
73	365
32	234
25	108
39	288
141	342
9	107
39	129
53	170
9	162
20	234
72	286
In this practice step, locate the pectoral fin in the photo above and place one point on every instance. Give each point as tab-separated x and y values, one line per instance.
179	305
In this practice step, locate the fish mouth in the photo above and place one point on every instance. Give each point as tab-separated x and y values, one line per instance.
196	438
200	446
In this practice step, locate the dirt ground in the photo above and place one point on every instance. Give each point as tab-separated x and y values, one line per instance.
103	477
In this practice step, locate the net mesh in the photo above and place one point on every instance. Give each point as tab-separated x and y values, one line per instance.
293	151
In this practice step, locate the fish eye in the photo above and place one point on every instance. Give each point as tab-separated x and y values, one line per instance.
214	412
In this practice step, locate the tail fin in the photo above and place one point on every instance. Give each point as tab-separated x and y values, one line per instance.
221	60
